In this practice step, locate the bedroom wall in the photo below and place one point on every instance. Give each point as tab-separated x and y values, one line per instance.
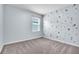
18	25
63	25
1	27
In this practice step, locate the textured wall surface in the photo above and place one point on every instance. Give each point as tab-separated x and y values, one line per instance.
63	24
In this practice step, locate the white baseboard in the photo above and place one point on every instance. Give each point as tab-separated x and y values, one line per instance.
22	40
62	41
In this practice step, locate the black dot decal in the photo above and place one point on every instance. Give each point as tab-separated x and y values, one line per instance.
59	16
56	11
74	24
66	10
76	28
68	29
58	32
74	4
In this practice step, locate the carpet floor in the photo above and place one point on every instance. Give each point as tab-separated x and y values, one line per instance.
40	46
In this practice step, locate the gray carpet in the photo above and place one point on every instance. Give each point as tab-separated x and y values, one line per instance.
40	46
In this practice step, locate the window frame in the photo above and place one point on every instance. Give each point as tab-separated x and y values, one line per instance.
35	20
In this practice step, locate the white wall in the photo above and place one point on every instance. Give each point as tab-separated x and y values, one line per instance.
63	25
18	25
1	27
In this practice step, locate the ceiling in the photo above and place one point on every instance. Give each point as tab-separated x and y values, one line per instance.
40	8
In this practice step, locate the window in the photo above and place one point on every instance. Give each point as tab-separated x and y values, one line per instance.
35	24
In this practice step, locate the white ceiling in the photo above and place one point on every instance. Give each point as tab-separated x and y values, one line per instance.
41	8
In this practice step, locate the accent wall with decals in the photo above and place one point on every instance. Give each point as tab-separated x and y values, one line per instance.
63	25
